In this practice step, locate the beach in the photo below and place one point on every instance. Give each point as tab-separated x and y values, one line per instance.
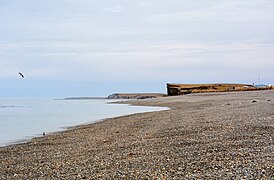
203	136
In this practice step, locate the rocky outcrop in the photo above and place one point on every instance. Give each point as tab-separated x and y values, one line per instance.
135	96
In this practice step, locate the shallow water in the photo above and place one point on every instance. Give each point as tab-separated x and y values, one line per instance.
23	119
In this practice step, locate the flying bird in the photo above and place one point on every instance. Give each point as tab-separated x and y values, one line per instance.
21	75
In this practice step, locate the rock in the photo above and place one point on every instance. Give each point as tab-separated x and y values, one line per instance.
135	95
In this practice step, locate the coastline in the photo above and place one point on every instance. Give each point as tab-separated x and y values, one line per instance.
120	109
226	135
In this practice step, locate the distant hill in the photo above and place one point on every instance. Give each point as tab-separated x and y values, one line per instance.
84	98
120	96
135	95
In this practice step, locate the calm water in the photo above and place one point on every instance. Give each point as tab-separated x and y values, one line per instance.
22	120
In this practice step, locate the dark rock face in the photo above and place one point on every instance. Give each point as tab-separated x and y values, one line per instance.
113	96
145	97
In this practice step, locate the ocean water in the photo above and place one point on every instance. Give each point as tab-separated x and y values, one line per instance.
21	120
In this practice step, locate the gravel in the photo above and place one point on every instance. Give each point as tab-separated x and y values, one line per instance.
202	136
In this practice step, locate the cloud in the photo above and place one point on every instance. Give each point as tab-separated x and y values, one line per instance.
144	4
237	11
136	41
115	9
85	60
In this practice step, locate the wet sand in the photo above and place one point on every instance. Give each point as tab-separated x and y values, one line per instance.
213	135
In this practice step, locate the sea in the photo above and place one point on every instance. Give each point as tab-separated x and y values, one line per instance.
21	120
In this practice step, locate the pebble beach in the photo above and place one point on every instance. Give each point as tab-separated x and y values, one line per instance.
202	136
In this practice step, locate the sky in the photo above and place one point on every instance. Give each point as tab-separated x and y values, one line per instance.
71	48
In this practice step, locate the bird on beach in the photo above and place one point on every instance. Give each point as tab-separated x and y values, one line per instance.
21	75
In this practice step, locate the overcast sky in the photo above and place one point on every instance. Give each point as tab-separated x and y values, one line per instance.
98	47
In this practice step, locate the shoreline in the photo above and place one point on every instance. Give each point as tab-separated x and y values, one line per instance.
226	135
61	129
